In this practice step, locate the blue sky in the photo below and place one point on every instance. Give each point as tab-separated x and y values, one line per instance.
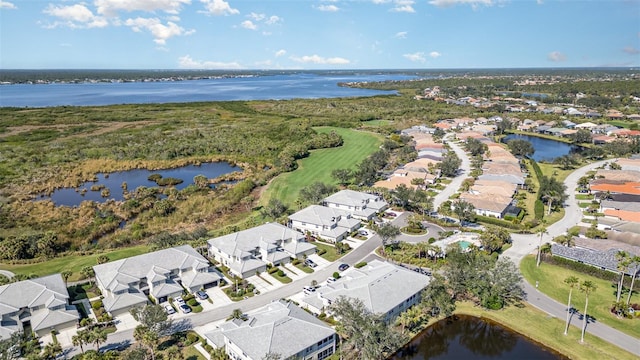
304	34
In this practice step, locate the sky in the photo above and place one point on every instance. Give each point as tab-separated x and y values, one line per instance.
318	34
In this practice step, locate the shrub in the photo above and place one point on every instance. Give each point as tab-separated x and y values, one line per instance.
273	270
96	305
360	264
322	252
336	275
296	262
538	209
280	272
432	240
496	221
192	302
192	338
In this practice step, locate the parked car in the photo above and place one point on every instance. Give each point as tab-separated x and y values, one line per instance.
363	233
185	308
310	263
202	295
179	300
343	267
331	279
309	290
169	309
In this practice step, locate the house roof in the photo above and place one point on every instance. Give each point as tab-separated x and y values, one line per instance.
126	300
626	215
265	236
357	199
624	187
620	205
279	327
322	215
603	259
514	179
381	286
130	270
394	181
487	201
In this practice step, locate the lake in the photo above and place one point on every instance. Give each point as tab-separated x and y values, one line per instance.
134	179
468	337
271	87
545	149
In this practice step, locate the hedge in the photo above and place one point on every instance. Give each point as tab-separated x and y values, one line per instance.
499	222
536	169
538	209
360	264
590	270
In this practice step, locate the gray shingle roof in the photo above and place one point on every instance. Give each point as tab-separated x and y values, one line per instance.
115	274
279	327
602	259
357	199
380	285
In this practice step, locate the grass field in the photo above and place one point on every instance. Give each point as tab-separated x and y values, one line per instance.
320	163
549	331
551	282
73	263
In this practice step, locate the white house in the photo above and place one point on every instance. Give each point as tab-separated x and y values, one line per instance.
249	251
161	274
361	205
41	304
384	288
278	328
326	222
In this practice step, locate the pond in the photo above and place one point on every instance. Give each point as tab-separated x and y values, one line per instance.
545	149
134	179
469	337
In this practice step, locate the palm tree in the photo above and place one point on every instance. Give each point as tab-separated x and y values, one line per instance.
88	272
236	314
623	262
66	274
635	261
543	231
587	287
146	337
572	281
97	335
52	350
80	339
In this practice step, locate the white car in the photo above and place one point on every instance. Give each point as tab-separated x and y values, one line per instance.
179	301
331	279
309	290
169	309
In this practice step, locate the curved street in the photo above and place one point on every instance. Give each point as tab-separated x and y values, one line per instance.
522	246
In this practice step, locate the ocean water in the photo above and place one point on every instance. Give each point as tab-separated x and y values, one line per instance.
271	87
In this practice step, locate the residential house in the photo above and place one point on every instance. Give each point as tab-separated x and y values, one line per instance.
328	223
280	328
629	164
249	251
627	211
161	274
361	205
40	304
615	187
588	125
384	289
614	114
488	204
605	260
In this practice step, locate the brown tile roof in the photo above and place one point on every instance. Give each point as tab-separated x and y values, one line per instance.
618	175
492	202
623	214
616	187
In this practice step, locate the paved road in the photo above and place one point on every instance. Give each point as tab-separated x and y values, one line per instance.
465	169
527	244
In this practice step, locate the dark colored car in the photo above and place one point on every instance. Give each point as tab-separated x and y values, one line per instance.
343	267
185	308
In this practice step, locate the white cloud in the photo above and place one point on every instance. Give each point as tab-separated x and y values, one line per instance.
556	56
160	31
381	1
248	24
404	6
315	59
328	8
273	20
74	16
112	7
186	62
7	5
631	50
256	17
280	52
435	54
401	35
218	7
415	57
474	3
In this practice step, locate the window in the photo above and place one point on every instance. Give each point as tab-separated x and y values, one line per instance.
325	353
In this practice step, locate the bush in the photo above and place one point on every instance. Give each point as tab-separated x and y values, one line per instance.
538	209
273	270
96	305
590	270
192	338
360	264
336	275
192	302
296	262
432	240
322	252
496	221
280	272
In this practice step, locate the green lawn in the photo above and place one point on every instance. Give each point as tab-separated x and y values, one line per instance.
283	279
320	163
584	197
549	331
551	282
190	353
74	263
331	254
